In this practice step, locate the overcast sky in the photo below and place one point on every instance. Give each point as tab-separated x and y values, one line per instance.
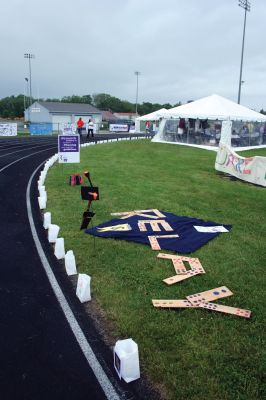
184	49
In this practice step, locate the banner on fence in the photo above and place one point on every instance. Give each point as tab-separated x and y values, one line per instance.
118	128
250	169
8	129
68	128
45	128
68	149
132	129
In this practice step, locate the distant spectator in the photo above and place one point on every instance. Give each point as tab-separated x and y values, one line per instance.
148	126
90	128
80	124
245	130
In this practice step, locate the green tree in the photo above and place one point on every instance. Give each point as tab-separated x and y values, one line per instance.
11	107
167	106
103	101
53	99
86	99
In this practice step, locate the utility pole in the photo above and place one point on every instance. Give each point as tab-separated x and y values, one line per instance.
246	5
137	73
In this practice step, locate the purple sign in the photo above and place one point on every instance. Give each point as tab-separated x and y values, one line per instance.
68	144
68	148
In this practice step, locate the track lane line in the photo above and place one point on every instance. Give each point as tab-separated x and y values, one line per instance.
18	151
22	158
93	362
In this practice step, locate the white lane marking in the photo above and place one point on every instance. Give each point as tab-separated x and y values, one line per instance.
18	151
101	376
20	145
22	158
13	146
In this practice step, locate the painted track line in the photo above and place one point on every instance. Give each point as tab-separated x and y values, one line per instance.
99	373
18	151
22	158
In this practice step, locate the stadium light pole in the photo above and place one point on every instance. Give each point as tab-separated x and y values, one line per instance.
29	57
26	95
246	5
137	73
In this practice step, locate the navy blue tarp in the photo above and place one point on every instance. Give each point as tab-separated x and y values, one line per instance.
131	229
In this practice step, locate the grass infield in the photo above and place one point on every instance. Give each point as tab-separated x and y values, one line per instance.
187	353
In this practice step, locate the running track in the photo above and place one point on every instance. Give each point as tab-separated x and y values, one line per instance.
40	356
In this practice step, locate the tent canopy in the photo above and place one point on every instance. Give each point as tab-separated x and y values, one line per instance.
214	107
154	116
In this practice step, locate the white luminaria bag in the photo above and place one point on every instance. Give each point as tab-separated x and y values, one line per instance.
70	263
46	220
41	190
126	360
53	231
84	288
59	248
42	202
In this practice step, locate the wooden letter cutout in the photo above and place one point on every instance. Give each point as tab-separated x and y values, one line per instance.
210	295
239	312
180	269
173	304
141	213
180	277
154	242
154	225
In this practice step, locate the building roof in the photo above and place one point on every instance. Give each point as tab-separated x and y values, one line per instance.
124	113
75	108
107	115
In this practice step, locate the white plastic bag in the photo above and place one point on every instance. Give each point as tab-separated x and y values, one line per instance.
84	288
126	360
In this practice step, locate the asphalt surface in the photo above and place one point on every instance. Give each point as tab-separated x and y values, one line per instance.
40	357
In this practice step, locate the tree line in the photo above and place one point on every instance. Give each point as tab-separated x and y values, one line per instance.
14	106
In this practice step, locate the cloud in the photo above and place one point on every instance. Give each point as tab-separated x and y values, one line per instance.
184	49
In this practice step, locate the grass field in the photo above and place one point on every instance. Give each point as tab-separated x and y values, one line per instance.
187	353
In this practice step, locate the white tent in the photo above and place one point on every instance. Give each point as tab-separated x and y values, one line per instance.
204	119
214	107
154	116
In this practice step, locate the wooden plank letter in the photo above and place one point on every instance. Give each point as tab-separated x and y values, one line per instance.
179	278
150	213
209	295
154	225
172	304
154	242
239	312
